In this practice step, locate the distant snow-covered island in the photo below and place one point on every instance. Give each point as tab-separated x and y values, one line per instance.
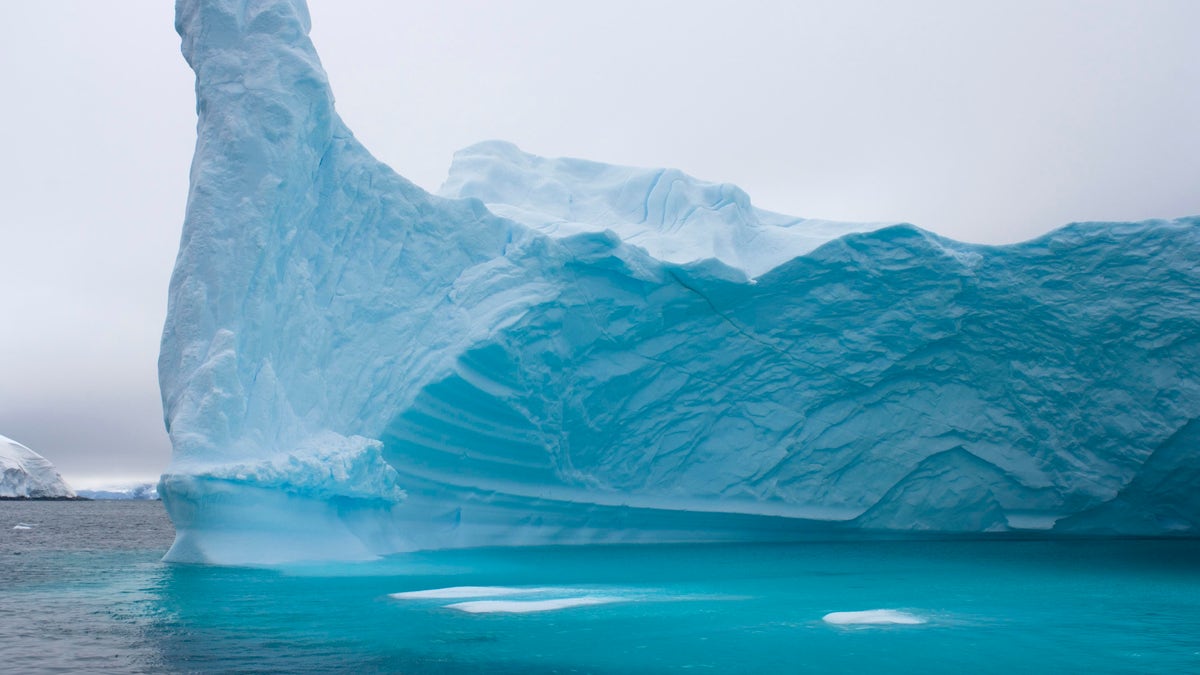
24	474
144	491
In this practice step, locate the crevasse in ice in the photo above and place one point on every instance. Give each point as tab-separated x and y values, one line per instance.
562	351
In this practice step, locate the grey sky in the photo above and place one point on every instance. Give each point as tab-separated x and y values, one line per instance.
986	121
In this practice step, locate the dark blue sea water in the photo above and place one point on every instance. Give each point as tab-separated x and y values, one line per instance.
82	590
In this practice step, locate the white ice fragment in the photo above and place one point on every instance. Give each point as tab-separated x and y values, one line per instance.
468	592
873	617
528	606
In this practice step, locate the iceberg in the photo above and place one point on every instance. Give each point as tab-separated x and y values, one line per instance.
24	474
558	351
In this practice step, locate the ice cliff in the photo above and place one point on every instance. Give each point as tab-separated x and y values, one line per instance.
26	474
562	351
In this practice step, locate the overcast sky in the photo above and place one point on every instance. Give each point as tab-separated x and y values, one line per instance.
990	122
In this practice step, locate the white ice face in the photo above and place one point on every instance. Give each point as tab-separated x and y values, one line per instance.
24	473
588	353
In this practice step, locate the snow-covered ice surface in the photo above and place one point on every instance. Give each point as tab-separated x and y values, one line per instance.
579	353
24	473
672	216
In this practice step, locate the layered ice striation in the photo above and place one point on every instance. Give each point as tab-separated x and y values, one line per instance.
562	351
24	474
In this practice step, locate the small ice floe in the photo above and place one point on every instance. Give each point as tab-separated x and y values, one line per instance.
528	606
515	600
873	617
23	526
468	592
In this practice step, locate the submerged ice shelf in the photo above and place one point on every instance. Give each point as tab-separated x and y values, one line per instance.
563	351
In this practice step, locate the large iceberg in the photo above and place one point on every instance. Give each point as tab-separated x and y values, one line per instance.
562	351
24	474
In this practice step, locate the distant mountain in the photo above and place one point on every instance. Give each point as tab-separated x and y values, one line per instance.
138	491
24	474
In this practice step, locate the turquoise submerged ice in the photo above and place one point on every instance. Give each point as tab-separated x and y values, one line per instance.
561	351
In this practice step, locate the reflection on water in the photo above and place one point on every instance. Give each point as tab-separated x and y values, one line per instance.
100	601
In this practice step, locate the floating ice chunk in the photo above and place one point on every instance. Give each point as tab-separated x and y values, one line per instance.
469	592
876	617
528	606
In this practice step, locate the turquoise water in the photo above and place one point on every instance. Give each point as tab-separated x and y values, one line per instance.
83	591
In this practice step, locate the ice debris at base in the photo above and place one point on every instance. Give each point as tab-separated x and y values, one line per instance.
873	617
26	474
582	353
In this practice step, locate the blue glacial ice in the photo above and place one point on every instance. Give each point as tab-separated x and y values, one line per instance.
563	351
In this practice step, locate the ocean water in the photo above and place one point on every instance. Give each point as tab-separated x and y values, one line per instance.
82	590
